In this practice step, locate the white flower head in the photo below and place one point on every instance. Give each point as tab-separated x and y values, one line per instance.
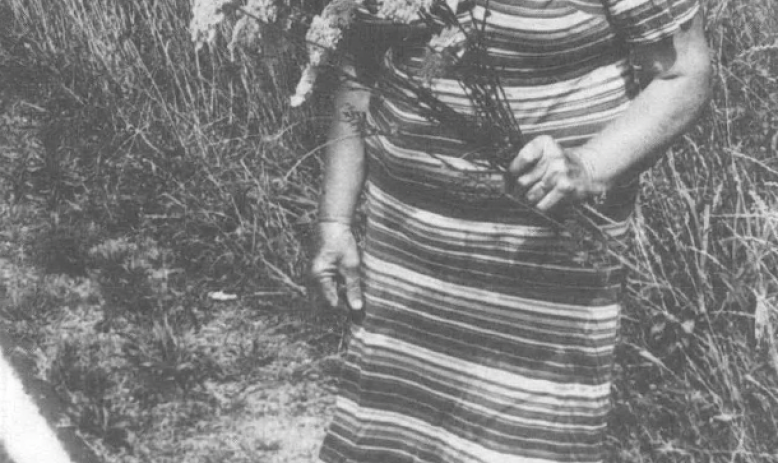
402	11
206	16
323	37
248	29
265	10
448	38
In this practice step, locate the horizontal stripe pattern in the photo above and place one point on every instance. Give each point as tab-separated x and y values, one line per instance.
489	330
470	350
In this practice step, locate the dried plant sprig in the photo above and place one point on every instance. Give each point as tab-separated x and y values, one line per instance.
255	13
494	117
450	38
402	11
442	53
322	38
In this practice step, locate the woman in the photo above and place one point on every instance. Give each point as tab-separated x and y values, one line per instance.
486	338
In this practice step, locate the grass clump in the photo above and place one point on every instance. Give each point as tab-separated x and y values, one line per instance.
141	135
697	376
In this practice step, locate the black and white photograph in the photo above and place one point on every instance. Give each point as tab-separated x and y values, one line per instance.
389	231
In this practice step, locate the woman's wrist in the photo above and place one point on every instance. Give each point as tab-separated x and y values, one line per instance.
343	219
594	184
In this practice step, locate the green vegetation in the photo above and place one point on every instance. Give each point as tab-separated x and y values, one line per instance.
138	175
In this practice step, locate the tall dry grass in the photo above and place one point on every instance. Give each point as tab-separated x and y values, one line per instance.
144	134
161	174
696	380
198	154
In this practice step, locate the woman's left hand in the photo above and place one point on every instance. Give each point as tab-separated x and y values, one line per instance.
549	175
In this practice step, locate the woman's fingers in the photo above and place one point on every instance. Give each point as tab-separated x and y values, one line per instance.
353	288
327	283
338	263
532	177
548	175
329	289
324	277
528	157
533	164
536	192
554	197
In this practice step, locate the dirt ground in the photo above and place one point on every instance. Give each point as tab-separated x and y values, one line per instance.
269	421
279	416
275	413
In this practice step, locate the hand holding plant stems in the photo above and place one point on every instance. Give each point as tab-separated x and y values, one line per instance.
549	175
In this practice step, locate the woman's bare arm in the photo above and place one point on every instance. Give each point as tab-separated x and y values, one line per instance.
337	257
344	172
679	72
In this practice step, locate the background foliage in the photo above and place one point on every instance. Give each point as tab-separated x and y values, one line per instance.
156	174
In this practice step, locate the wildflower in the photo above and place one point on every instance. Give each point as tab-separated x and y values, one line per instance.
323	37
449	38
206	16
443	52
255	13
402	11
264	10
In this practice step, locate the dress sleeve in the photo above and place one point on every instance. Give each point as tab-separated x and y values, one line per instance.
365	43
649	21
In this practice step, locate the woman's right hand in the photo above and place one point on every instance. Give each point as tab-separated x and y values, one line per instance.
338	259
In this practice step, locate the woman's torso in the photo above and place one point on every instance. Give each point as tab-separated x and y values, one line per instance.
565	72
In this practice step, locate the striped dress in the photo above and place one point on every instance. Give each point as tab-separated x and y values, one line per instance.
487	338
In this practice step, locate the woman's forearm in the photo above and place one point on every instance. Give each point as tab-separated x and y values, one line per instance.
665	109
344	172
